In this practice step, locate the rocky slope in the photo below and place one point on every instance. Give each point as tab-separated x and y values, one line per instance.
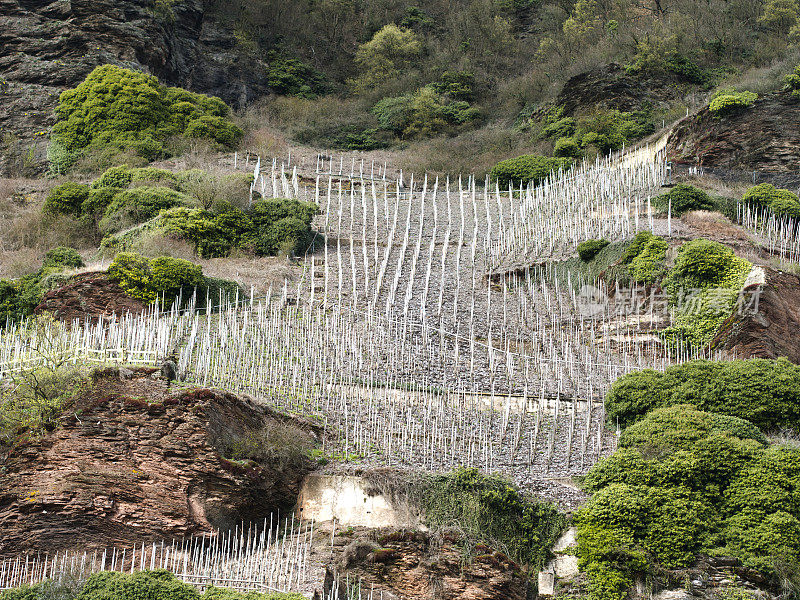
410	565
89	296
764	137
768	322
132	462
49	45
612	87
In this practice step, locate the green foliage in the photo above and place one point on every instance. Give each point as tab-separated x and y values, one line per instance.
291	77
116	106
529	168
781	202
147	280
564	127
137	205
727	104
567	147
491	510
702	263
648	265
61	257
456	85
280	225
765	392
422	114
792	82
588	250
683	198
684	481
66	199
391	51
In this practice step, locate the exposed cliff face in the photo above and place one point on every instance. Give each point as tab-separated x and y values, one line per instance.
767	327
47	46
132	462
764	137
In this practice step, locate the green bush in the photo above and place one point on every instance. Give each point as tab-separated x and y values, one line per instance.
61	257
115	177
781	202
683	198
280	225
66	199
567	147
682	482
422	114
291	77
648	265
491	510
132	273
792	82
116	106
731	103
765	392
702	263
137	205
588	250
562	128
456	85
636	245
170	275
529	168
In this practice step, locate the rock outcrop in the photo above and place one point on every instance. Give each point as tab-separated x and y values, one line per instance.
764	137
409	565
49	45
766	324
89	296
611	86
132	462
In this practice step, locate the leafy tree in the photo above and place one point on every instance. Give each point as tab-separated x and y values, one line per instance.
390	51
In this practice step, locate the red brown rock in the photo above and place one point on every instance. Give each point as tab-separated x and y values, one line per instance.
89	296
131	463
772	330
412	565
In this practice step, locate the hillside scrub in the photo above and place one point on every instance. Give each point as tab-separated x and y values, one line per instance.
489	509
588	250
604	130
527	169
765	392
117	107
19	297
682	198
781	202
703	286
165	278
682	482
730	102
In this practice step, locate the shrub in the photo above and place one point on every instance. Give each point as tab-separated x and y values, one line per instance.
781	202
134	586
115	177
648	265
567	147
280	225
97	201
456	85
588	250
291	77
731	103
792	82
529	168
422	114
132	273
492	510
638	243
119	107
62	257
137	205
66	199
683	198
564	127
701	263
764	392
170	275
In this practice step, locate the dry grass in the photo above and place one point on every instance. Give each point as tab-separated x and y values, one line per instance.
259	273
714	225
